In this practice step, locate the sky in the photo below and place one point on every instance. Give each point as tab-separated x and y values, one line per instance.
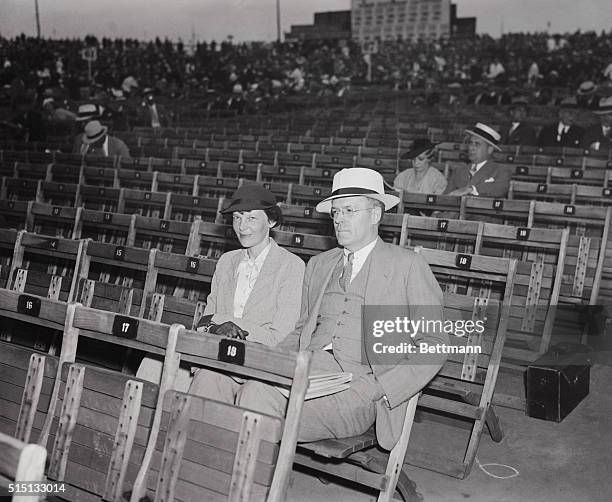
256	19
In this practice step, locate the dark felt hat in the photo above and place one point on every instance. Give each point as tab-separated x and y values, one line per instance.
419	146
248	198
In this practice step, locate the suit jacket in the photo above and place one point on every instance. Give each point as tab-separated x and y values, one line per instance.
491	180
524	134
116	147
396	276
594	134
273	307
572	139
144	115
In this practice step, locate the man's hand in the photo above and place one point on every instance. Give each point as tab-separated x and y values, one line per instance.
229	330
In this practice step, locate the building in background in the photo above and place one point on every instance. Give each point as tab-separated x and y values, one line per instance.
400	19
377	20
334	25
462	27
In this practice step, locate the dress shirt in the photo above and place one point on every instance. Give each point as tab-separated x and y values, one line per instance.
561	130
514	127
359	257
473	170
247	273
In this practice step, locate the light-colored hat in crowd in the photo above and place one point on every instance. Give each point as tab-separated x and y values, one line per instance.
604	106
94	131
485	133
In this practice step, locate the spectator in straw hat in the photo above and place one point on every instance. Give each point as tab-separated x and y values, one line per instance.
422	177
483	176
598	137
520	132
362	271
96	141
564	132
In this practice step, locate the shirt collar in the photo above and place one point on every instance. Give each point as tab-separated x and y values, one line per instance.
261	257
363	253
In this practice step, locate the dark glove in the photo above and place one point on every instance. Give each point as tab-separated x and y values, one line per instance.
229	330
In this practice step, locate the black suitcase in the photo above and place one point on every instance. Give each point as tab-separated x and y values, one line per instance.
557	382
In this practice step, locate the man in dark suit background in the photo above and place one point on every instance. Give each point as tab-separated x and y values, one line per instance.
519	132
598	137
564	132
483	176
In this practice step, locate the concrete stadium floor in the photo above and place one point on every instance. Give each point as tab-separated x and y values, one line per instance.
569	461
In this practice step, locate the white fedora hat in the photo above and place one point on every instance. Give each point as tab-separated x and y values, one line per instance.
486	133
358	181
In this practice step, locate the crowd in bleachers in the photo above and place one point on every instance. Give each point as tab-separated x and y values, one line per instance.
112	194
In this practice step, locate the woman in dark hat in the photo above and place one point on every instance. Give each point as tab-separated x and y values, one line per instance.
256	291
422	177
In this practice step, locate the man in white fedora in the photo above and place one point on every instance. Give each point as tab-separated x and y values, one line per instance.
564	132
598	137
482	176
362	271
95	140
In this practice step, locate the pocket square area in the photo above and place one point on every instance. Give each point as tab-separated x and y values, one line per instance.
489	180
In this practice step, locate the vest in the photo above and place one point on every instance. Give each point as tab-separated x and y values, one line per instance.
339	320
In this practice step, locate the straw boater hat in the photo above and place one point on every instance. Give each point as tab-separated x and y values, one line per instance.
586	88
358	181
485	133
94	131
89	111
604	106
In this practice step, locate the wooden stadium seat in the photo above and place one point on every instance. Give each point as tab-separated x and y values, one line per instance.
166	235
20	462
230	452
60	173
115	265
200	166
103	226
99	176
426	204
144	203
19	189
97	396
298	219
208	186
176	183
278	174
334	161
58	194
184	277
45	266
304	245
511	212
52	220
341	150
135	179
246	170
101	198
27	170
522	190
187	207
14	213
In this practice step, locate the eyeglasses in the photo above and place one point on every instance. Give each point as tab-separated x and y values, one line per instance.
347	212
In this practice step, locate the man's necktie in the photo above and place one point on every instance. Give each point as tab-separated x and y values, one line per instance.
473	170
347	272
